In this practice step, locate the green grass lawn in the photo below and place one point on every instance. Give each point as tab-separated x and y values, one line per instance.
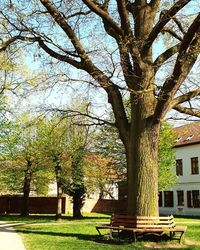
81	234
90	217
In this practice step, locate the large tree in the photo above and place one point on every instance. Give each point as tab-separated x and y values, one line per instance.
72	32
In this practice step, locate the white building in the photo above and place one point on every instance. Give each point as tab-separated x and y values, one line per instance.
184	198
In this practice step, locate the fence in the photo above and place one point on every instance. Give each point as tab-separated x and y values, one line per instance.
48	205
37	205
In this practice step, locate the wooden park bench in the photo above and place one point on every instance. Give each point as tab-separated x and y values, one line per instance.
143	225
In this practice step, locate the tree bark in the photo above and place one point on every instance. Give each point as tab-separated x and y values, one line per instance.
26	189
78	190
59	202
77	204
142	161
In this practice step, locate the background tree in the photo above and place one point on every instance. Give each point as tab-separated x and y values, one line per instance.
65	143
15	81
55	148
78	149
22	163
166	158
130	62
76	188
30	156
10	174
100	175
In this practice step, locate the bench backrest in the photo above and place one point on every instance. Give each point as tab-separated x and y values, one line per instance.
142	221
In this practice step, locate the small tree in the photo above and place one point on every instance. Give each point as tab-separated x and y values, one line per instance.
76	188
21	160
64	145
54	146
76	185
100	174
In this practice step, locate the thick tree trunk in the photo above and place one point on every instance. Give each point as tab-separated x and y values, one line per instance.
26	190
77	204
143	175
142	161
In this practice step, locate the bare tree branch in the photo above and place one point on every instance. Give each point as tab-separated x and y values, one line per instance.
193	31
125	23
166	55
114	95
185	97
80	13
77	113
163	21
104	15
188	54
179	24
54	54
173	33
187	111
66	28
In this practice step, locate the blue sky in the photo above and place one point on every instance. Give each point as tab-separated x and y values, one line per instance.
62	95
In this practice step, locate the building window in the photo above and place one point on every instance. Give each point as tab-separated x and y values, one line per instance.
179	167
193	198
194	165
160	199
180	198
168	198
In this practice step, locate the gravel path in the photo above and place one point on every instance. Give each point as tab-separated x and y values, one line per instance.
9	239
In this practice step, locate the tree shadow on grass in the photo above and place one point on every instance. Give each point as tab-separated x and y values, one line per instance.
105	240
46	218
86	237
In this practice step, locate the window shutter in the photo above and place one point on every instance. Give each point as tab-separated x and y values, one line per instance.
160	199
189	202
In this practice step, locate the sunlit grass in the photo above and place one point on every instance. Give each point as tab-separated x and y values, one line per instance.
35	218
41	233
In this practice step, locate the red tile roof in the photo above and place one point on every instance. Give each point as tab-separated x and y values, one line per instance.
187	134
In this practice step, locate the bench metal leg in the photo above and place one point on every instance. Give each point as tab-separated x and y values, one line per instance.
98	231
111	236
134	237
171	235
118	235
181	237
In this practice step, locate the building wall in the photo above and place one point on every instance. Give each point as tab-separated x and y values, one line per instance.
185	153
186	182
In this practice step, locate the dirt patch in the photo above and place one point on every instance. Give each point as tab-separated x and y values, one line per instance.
191	243
172	246
168	246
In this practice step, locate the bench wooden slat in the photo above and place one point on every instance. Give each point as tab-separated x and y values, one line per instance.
143	224
142	217
144	229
